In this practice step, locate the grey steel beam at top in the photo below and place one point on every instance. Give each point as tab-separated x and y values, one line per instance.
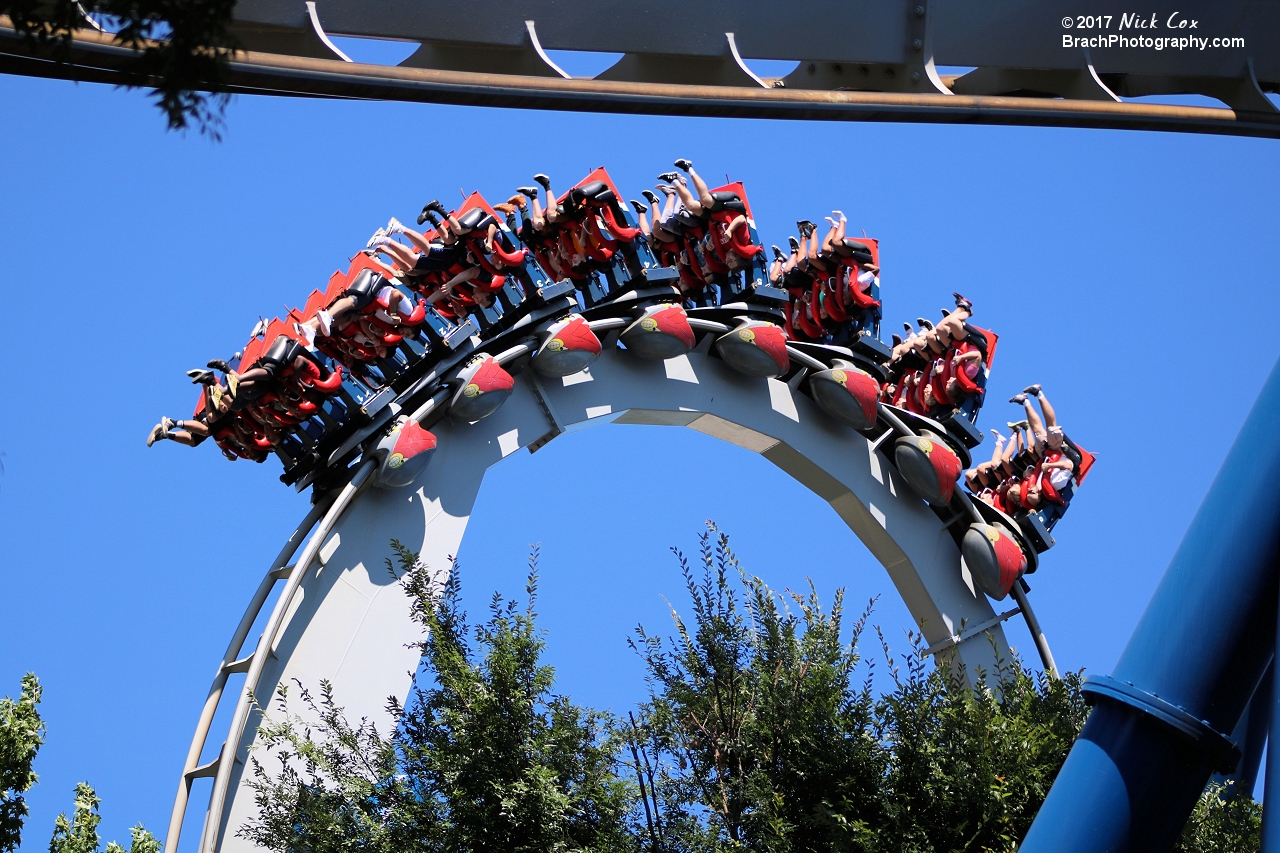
1003	33
97	57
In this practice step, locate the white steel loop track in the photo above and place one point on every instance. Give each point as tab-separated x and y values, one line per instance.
348	620
192	770
221	768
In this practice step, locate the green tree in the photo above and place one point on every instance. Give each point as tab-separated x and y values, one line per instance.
21	735
180	48
754	720
968	769
79	833
1222	823
487	757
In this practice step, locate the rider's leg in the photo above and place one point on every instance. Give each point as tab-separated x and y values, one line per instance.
700	186
690	203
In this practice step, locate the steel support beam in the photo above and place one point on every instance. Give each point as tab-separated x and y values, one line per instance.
94	57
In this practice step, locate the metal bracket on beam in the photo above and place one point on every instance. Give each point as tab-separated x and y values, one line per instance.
542	54
727	69
795	381
957	639
1081	84
241	665
324	37
1216	745
737	57
204	771
527	59
539	394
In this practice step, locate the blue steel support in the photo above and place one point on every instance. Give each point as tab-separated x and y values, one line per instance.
1196	657
1251	737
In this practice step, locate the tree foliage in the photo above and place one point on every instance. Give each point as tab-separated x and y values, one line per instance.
761	732
21	735
1223	821
79	833
486	757
180	48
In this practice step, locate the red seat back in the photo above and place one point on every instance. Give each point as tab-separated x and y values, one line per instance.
738	189
250	354
598	174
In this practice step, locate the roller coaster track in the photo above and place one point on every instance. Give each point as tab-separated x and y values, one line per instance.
339	617
884	71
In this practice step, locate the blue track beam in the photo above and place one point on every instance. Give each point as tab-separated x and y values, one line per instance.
1157	728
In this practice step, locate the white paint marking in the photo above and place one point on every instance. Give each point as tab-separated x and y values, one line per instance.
967	577
680	369
326	551
875	464
782	401
578	378
509	442
892	490
879	516
597	411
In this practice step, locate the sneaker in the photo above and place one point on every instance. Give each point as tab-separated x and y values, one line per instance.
219	365
394	226
1018	398
157	433
683	165
528	192
669	177
650	197
794	243
639	206
1033	390
380	234
326	322
542	180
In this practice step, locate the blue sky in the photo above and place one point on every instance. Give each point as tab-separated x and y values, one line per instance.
1132	274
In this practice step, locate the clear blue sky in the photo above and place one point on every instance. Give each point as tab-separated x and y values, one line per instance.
1132	274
